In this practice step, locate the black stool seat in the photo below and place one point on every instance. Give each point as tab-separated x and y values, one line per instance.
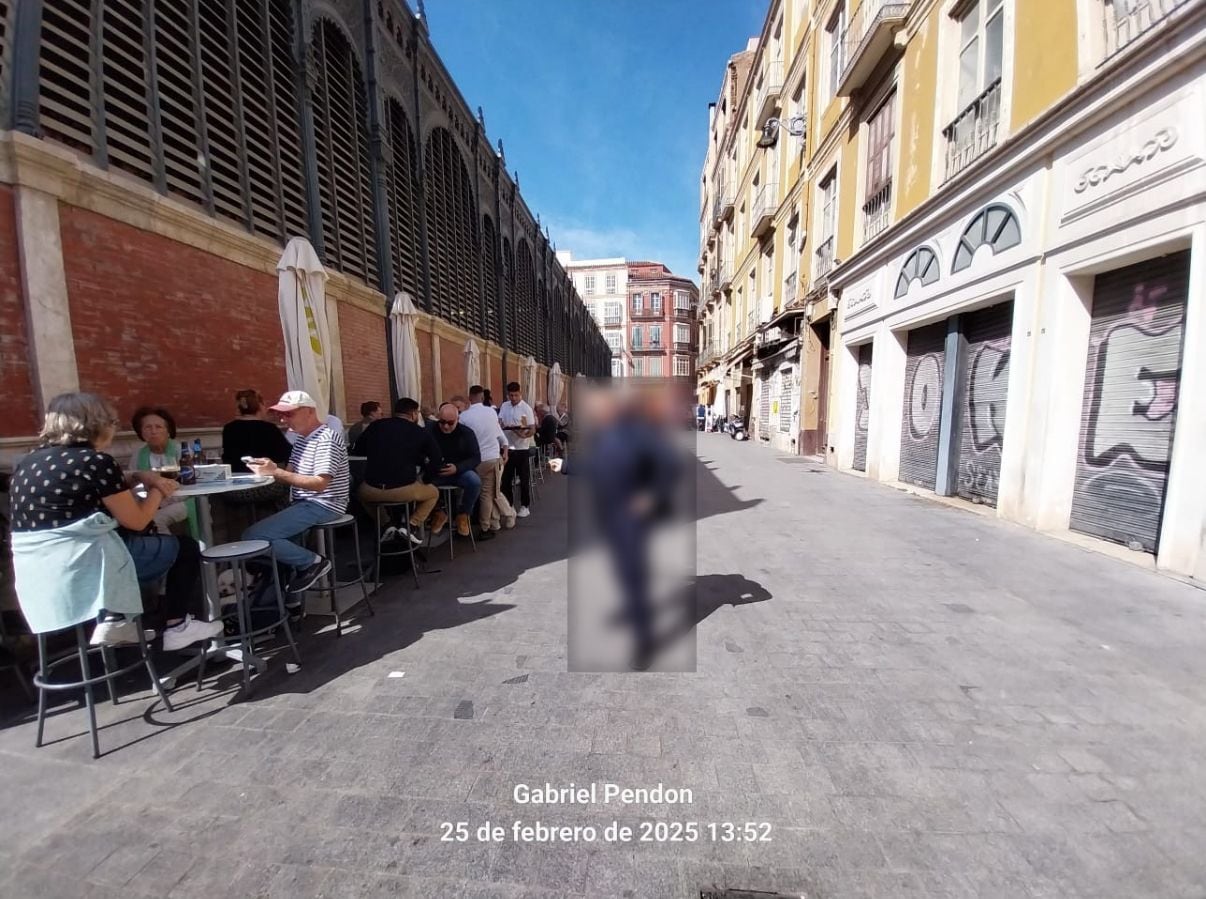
332	582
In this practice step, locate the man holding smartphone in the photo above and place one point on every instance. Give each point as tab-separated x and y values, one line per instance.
318	481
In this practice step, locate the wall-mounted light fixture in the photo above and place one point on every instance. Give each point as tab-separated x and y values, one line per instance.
795	126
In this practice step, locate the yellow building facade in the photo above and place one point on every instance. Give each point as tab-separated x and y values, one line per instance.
984	271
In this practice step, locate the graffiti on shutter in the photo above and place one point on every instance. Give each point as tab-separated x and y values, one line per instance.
922	405
764	404
982	395
1130	403
786	377
862	407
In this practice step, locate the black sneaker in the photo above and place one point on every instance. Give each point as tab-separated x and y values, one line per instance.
309	576
485	535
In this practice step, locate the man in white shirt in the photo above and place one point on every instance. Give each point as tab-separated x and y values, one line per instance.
519	423
483	421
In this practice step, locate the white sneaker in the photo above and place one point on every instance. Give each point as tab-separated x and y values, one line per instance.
523	512
190	631
118	632
389	534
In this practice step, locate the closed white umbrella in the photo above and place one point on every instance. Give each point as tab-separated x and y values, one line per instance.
529	378
473	364
402	318
302	297
556	384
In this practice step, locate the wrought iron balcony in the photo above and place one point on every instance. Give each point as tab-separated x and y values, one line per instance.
647	313
706	354
876	210
789	289
768	92
765	204
722	205
870	34
974	130
726	276
1134	19
771	336
824	256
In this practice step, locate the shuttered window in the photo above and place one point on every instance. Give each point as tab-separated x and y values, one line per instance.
65	102
5	30
223	116
180	112
451	232
402	195
341	129
490	270
124	78
278	19
525	296
508	262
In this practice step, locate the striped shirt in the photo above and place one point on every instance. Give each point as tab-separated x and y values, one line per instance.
320	452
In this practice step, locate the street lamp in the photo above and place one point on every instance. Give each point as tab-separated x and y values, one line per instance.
770	131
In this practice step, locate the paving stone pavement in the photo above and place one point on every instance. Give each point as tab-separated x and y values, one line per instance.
930	703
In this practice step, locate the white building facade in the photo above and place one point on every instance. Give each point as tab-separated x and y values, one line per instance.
1034	338
603	286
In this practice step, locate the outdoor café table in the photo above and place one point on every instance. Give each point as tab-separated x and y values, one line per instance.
202	491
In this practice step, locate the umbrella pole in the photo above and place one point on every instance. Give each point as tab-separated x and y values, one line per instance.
389	361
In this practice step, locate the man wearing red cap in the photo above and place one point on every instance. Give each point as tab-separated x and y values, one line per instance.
318	481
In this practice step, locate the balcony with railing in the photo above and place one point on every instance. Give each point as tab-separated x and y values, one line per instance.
726	275
682	346
682	313
790	285
707	353
768	92
765	204
876	210
1129	20
824	257
974	130
646	312
722	205
870	34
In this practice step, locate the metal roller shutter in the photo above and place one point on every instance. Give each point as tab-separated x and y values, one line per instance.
982	398
862	407
786	381
764	404
920	421
1130	404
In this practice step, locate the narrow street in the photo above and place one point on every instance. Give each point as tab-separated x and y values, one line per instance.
920	701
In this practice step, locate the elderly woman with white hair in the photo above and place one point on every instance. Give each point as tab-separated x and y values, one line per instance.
79	545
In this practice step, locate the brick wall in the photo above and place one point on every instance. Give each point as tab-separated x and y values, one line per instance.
365	362
156	321
495	379
452	369
19	414
426	375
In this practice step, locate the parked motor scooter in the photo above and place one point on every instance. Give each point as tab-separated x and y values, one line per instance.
736	428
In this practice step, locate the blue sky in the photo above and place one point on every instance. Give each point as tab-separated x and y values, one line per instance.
602	106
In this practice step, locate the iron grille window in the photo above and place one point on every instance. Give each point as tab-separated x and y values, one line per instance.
509	287
402	193
181	113
65	83
490	267
5	29
525	296
124	81
451	231
341	128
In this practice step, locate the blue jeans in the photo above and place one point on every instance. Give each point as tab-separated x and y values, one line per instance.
282	529
153	555
471	489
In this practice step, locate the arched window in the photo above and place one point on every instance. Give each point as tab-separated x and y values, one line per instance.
451	232
557	326
995	225
525	295
493	329
508	263
922	265
344	173
402	192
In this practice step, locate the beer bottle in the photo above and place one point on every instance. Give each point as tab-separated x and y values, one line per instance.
198	454
188	474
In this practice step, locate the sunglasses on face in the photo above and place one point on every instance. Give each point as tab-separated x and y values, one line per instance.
447	424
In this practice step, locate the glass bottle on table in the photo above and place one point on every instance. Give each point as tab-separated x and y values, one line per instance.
188	474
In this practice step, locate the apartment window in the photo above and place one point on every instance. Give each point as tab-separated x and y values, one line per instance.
682	333
590	284
655	302
617	368
654	367
611	283
824	254
881	130
593	310
682	301
637	341
981	50
638	302
834	32
615	341
638	367
613	314
655	336
682	366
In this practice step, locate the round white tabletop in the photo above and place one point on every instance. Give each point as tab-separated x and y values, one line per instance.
238	482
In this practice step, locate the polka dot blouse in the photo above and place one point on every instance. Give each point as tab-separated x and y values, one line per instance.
55	486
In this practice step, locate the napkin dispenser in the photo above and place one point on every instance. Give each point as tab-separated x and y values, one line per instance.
206	473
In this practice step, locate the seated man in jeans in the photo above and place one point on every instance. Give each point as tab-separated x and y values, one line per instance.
318	479
459	449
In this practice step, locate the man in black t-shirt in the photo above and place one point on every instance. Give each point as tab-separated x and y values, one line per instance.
396	448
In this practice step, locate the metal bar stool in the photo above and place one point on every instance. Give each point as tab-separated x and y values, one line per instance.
448	498
45	666
236	555
326	541
407	511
